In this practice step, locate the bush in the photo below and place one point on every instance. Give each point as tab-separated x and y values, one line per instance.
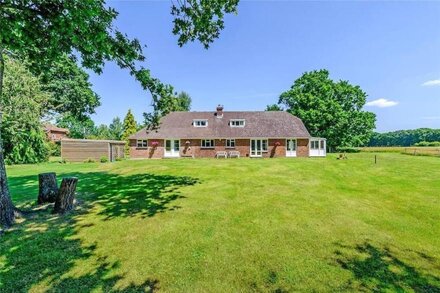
347	150
54	149
427	143
89	160
104	159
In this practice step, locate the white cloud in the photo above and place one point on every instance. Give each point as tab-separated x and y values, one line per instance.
434	82
381	103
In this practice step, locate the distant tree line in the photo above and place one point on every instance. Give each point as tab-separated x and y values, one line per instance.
421	136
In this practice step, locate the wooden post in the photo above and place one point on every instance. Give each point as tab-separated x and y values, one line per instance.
66	195
48	187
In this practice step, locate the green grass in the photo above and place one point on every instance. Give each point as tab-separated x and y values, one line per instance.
231	225
414	151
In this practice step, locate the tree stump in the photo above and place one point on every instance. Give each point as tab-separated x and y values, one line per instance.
66	195
48	187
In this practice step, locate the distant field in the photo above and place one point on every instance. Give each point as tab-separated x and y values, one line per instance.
416	151
235	225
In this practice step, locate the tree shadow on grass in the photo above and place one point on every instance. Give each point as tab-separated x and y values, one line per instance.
119	196
39	254
377	269
44	250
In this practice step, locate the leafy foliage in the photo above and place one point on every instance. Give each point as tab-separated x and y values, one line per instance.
200	19
22	100
428	143
116	129
178	102
130	127
46	31
405	137
274	107
77	128
330	109
71	91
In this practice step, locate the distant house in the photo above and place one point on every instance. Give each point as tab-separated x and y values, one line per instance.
55	133
210	134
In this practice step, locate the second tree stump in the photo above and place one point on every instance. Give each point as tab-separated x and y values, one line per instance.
66	195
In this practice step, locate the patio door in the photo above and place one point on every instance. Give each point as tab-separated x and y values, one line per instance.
256	147
172	148
291	148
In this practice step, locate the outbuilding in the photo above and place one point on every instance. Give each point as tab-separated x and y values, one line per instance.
80	150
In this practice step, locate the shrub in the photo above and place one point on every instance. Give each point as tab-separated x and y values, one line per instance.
54	149
347	150
89	160
104	159
427	143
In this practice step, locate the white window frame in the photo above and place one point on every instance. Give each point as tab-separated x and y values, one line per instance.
312	145
230	143
237	122
200	122
264	143
211	144
142	143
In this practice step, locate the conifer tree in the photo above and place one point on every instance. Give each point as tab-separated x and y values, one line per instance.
130	127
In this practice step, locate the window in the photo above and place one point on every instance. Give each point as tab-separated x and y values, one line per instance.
322	144
142	143
230	143
264	145
314	144
207	143
200	123
237	122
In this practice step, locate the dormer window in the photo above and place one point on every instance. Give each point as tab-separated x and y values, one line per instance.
200	122
237	122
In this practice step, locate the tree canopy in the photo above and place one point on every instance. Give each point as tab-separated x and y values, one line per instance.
70	89
330	109
176	102
405	137
274	107
22	101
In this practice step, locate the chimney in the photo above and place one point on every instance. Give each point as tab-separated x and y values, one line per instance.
219	113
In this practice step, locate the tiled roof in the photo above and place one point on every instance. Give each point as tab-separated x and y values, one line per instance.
50	127
264	124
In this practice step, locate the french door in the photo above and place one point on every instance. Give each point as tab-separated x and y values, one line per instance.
256	147
172	148
291	148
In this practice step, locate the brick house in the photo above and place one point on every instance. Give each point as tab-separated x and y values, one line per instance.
55	133
206	134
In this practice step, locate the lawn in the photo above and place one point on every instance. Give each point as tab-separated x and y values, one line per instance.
235	225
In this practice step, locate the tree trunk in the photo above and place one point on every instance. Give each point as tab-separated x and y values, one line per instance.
66	195
48	187
7	216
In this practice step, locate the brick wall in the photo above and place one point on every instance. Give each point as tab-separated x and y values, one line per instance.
150	152
192	147
56	135
302	147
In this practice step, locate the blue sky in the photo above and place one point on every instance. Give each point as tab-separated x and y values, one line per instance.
390	49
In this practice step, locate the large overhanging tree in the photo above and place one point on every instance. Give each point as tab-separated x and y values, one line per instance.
330	109
43	31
